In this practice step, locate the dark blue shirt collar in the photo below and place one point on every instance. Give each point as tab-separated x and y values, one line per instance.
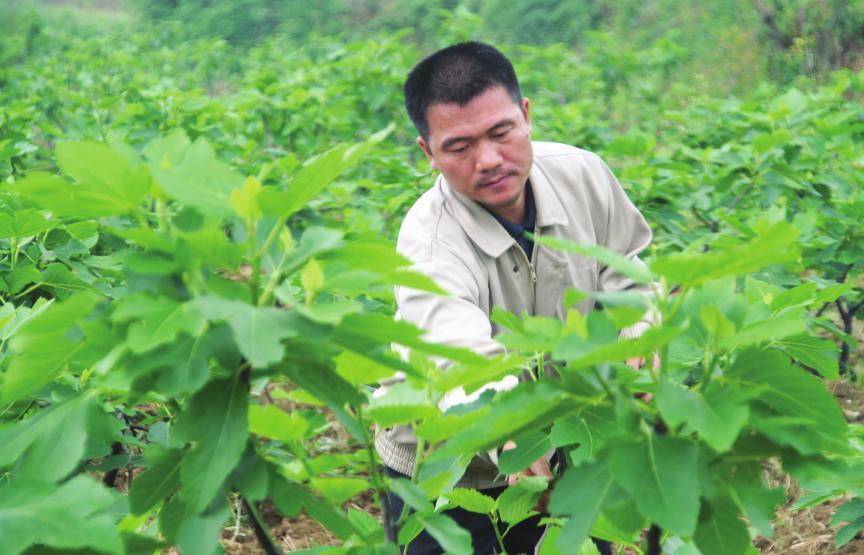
517	230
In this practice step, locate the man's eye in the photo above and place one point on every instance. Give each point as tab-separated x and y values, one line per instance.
501	134
459	150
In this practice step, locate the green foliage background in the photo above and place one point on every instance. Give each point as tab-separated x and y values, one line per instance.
197	212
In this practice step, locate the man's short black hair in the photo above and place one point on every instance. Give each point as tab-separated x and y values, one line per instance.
457	74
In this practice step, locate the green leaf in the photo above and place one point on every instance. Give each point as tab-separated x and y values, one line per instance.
571	347
528	407
849	532
580	494
272	422
471	500
819	354
312	279
44	346
530	447
245	200
411	494
776	244
365	332
452	538
258	331
792	392
70	516
338	489
358	369
380	258
607	257
215	420
107	184
400	404
784	324
161	477
590	428
518	502
720	530
197	178
52	442
472	377
157	320
661	475
23	223
758	501
314	177
719	416
849	511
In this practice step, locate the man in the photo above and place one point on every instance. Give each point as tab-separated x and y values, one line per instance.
467	233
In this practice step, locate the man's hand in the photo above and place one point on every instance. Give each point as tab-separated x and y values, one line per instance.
638	363
540	467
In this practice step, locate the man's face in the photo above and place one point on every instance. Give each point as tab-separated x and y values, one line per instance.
483	149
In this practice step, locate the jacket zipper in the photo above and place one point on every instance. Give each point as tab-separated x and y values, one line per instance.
531	271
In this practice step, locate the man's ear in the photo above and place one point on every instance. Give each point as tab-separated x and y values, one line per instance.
425	148
526	113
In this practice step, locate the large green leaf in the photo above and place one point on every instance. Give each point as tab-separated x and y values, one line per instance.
161	477
107	184
315	176
400	404
792	392
379	257
472	377
530	446
471	500
258	331
775	244
449	535
528	407
718	416
721	531
365	332
23	223
71	516
273	422
519	501
195	177
607	257
819	354
52	442
215	421
44	346
661	474
157	320
580	494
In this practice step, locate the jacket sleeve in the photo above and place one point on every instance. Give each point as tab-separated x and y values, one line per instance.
456	320
627	232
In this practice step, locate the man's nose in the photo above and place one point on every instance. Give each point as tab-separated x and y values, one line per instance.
488	157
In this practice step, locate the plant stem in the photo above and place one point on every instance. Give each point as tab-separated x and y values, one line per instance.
273	281
377	482
498	535
260	527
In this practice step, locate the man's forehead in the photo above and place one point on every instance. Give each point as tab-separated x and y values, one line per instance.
483	112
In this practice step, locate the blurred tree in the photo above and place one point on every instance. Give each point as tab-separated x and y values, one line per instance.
817	36
543	21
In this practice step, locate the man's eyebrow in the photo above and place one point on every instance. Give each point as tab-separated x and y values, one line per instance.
452	141
499	124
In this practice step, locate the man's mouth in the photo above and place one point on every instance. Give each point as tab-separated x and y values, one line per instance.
494	181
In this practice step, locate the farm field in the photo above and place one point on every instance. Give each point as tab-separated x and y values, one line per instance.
198	215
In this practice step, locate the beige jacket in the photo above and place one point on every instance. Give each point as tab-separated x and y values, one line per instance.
468	253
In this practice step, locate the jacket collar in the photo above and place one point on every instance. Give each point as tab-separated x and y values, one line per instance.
482	227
